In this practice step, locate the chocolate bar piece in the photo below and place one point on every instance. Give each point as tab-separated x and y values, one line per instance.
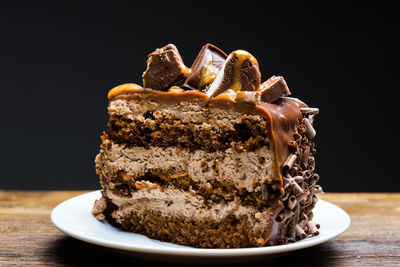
249	97
205	68
165	68
273	89
239	73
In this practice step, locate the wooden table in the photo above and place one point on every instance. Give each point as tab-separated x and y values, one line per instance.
27	236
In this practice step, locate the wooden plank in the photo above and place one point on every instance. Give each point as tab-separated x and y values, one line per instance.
27	236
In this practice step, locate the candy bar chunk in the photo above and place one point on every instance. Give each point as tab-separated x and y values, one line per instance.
240	72
205	68
249	97
273	89
165	68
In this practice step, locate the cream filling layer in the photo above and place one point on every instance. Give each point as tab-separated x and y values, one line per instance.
249	170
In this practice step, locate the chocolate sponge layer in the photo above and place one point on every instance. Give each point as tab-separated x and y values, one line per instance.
185	125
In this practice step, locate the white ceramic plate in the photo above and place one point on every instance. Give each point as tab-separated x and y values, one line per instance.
74	218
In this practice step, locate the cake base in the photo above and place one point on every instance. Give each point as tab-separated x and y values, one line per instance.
179	217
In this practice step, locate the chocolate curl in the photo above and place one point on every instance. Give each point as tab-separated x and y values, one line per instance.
303	223
312	228
287	165
297	137
309	111
301	128
297	189
295	170
306	174
314	178
312	162
285	197
305	156
284	216
303	220
302	196
314	201
287	181
299	179
318	189
310	131
292	202
292	232
300	232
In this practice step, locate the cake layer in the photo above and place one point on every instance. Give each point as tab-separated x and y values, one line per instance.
177	216
216	175
142	122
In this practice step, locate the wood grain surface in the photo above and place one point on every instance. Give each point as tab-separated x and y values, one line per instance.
27	236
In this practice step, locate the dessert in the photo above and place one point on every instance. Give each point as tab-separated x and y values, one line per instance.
208	156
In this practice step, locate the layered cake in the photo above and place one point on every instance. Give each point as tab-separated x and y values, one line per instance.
208	156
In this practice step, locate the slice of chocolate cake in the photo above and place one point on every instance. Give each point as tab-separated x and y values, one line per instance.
222	161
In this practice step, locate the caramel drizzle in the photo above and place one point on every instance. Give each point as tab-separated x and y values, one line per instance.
241	56
235	82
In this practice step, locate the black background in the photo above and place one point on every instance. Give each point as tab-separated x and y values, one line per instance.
59	59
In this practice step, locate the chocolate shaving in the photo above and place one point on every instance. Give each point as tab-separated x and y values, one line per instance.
287	165
302	197
292	202
310	131
306	174
312	229
297	189
299	179
297	137
309	111
300	232
305	156
318	189
285	215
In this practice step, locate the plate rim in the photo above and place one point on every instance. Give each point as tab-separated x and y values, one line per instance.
192	251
